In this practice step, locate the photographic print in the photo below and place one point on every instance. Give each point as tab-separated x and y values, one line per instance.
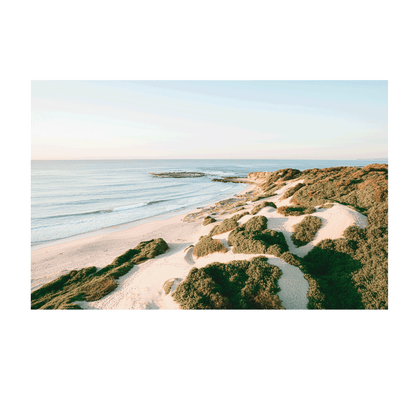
209	195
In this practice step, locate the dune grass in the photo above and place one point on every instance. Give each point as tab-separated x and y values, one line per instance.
208	220
265	195
254	238
291	191
88	284
360	188
236	210
227	225
279	176
304	232
240	284
273	187
206	245
327	206
238	217
295	210
259	207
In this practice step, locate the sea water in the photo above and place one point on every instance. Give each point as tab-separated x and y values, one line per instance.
73	197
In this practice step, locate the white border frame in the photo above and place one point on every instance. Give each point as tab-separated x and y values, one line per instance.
24	316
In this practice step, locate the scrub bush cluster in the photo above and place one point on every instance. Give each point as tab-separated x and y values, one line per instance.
304	232
240	284
259	207
206	245
208	220
88	284
254	238
227	225
295	210
291	191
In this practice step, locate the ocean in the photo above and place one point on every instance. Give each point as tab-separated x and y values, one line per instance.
74	197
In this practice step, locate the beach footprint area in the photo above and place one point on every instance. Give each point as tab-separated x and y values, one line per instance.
292	240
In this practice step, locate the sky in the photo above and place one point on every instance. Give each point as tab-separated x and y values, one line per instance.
208	119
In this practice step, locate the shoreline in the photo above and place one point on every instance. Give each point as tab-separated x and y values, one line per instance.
50	260
124	226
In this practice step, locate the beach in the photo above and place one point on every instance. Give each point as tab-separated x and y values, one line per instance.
102	247
143	286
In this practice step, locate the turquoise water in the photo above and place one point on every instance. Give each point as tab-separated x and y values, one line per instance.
72	197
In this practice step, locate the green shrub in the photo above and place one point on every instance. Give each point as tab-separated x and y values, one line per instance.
236	210
329	266
290	258
254	238
227	225
88	284
305	231
208	220
240	284
206	245
296	210
292	191
280	175
239	216
360	188
265	195
259	207
271	189
327	206
371	250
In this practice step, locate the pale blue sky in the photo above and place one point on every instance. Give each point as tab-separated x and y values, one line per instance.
209	119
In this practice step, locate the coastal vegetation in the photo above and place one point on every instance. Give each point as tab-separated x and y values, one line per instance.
263	196
352	272
304	232
236	210
291	191
227	225
238	217
346	273
326	206
259	207
361	188
239	284
208	220
88	284
330	265
279	177
254	238
274	187
295	210
206	245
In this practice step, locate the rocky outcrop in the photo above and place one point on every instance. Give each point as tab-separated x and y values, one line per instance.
179	174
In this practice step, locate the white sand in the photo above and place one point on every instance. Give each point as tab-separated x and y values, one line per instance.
142	287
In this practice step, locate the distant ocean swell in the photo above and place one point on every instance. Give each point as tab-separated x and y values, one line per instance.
103	211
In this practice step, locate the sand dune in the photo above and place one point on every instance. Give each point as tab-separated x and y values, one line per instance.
142	287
